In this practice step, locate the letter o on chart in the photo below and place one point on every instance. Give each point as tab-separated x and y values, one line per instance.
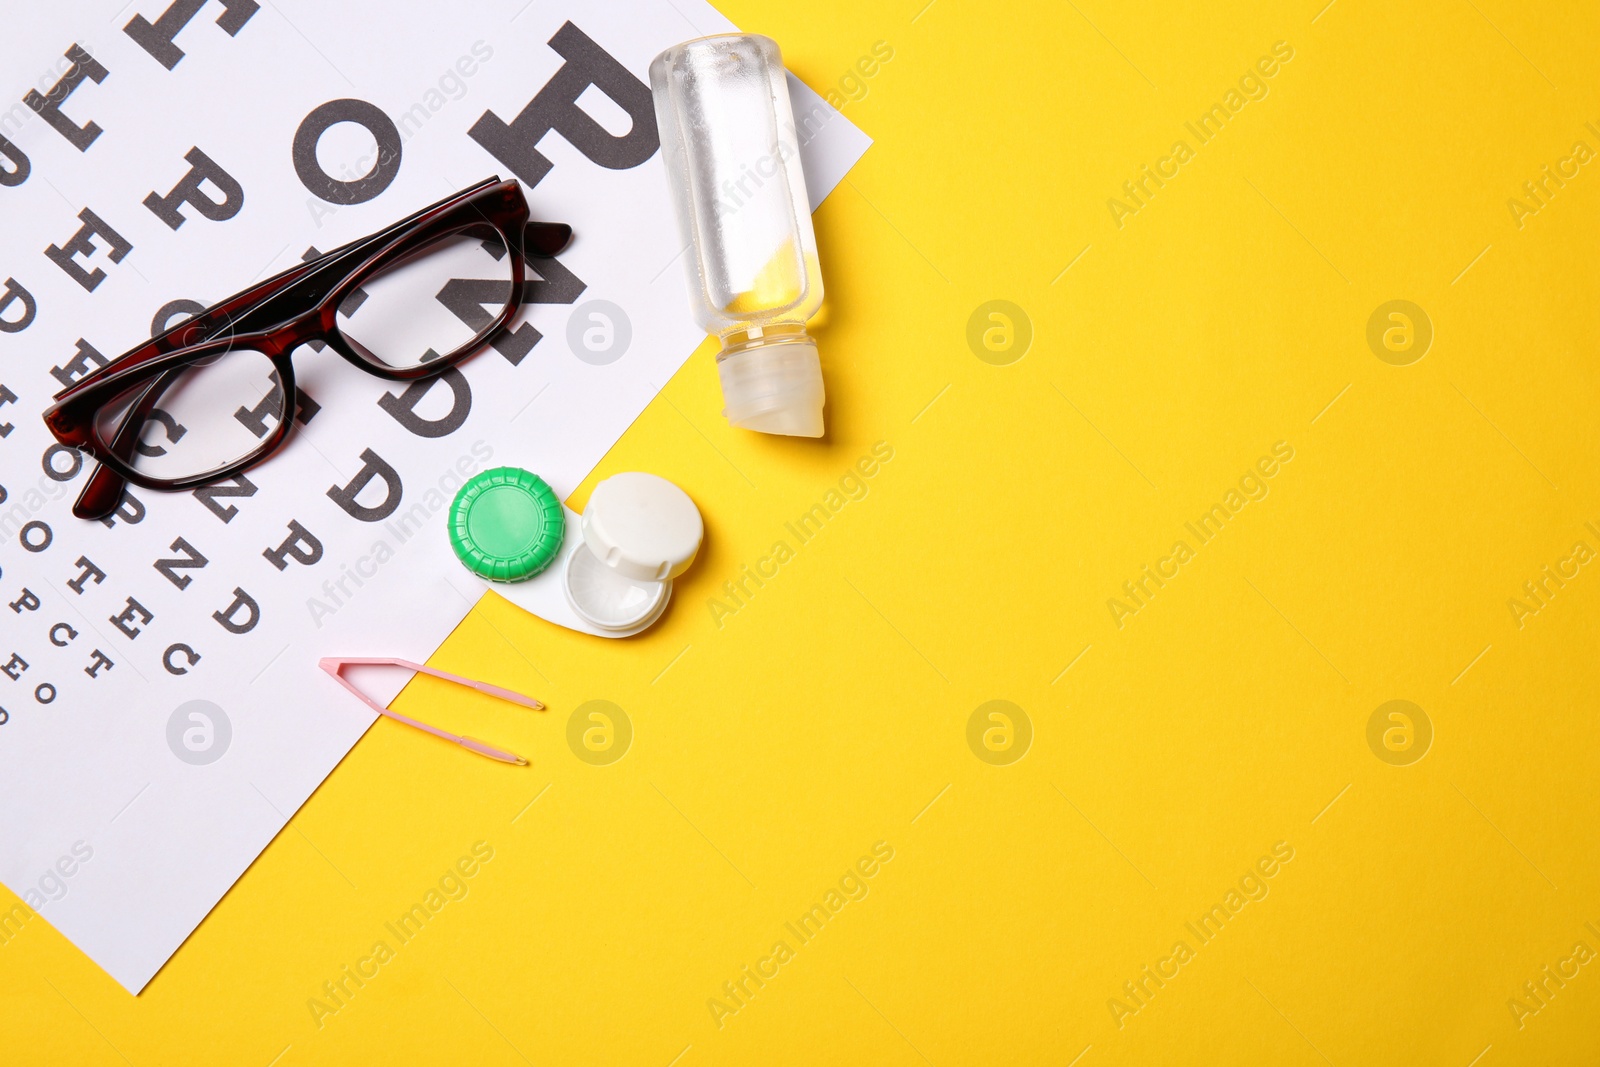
53	471
36	536
322	184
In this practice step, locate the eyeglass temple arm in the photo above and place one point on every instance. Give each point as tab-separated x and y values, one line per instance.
333	666
538	239
358	248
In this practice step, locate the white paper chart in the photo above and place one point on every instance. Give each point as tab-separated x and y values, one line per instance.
163	715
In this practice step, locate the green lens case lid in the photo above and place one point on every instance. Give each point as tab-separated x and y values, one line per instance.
506	524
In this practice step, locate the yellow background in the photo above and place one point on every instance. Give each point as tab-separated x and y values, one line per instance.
1230	713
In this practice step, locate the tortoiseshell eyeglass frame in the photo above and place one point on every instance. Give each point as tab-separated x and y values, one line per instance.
277	316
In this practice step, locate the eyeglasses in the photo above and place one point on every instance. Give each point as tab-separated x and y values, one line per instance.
215	394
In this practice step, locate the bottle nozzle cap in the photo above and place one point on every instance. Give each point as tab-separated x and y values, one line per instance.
774	388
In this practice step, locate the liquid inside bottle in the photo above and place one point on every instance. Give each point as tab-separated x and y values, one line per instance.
733	162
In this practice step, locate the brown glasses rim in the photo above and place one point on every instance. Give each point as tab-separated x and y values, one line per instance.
304	301
284	367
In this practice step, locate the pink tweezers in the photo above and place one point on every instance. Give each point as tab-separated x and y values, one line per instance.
334	665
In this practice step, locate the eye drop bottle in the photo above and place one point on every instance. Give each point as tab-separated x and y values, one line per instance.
733	162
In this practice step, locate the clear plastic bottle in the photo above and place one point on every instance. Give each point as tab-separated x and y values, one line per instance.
733	161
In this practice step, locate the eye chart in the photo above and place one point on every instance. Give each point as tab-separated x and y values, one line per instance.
161	712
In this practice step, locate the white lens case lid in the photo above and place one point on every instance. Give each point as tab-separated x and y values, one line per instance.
642	526
639	532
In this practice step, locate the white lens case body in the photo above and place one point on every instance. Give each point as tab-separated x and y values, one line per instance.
613	573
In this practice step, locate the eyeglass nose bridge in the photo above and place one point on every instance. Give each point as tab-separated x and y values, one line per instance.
281	341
